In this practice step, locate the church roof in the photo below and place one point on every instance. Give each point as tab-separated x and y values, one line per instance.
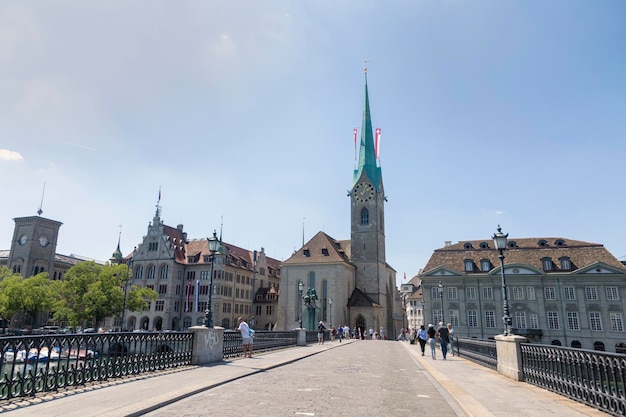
367	152
321	249
528	251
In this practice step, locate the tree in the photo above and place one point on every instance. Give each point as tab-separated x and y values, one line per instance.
11	293
39	294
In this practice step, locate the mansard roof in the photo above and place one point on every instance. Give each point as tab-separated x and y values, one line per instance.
321	249
528	251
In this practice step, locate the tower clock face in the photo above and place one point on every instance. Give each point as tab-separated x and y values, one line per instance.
363	191
43	241
23	239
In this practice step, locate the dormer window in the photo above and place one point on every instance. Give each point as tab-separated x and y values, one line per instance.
325	251
542	244
484	245
512	244
559	242
306	252
467	246
546	263
566	263
485	265
469	265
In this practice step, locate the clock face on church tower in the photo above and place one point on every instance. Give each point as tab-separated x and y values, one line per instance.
363	191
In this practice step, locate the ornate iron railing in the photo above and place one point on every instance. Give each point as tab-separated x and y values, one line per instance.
480	351
263	341
588	376
35	364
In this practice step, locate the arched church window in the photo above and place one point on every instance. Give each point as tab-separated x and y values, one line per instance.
311	279
163	274
365	217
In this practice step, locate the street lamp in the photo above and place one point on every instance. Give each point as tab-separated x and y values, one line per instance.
300	289
330	311
499	239
208	313
440	290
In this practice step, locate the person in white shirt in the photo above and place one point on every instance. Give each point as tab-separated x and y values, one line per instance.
246	337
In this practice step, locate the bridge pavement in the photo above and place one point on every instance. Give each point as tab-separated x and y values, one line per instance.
353	378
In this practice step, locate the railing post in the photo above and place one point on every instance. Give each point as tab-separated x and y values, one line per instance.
208	345
301	337
509	353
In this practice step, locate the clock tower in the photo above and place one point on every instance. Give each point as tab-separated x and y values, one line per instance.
375	280
34	244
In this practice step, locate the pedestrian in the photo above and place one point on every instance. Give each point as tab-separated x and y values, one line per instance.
340	333
422	336
371	333
432	333
451	336
403	334
246	337
333	333
320	333
444	338
346	332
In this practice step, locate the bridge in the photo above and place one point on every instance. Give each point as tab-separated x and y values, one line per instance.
349	378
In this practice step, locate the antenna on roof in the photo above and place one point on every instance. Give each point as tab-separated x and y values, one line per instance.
40	209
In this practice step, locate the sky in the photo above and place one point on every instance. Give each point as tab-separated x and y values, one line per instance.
492	113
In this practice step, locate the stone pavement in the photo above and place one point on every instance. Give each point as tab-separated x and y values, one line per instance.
353	378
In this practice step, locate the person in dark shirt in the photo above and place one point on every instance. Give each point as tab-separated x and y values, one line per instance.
432	333
444	339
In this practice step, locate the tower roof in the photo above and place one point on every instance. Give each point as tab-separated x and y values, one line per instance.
367	152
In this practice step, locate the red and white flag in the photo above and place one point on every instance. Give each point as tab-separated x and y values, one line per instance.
377	143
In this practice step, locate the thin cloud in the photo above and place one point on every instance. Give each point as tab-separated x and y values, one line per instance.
8	155
81	146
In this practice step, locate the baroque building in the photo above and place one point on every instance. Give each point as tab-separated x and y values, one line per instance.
561	291
352	280
245	283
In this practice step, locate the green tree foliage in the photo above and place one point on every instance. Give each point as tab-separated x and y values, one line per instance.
92	292
11	293
39	294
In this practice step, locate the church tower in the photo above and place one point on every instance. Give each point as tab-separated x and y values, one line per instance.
368	216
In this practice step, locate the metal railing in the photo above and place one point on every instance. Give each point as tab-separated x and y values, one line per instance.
480	351
263	341
36	364
587	376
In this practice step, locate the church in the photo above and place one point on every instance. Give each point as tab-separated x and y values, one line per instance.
346	282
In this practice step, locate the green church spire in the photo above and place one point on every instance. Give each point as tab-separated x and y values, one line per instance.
367	152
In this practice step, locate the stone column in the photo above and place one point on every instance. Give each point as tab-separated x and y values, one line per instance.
510	356
208	345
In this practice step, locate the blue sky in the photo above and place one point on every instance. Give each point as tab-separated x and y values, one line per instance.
492	112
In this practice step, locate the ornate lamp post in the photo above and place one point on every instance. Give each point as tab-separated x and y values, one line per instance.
440	291
208	313
300	289
330	311
499	239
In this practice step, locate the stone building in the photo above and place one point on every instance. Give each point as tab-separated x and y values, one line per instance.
352	280
560	291
245	283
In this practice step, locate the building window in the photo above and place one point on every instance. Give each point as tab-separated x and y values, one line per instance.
472	318
546	263
591	293
485	265
490	319
595	322
520	320
163	289
549	293
176	306
617	324
139	272
530	293
470	293
488	293
306	252
566	263
553	320
469	265
533	321
163	272
569	293
437	316
205	275
518	293
269	310
612	294
467	246
572	321
452	293
454	318
159	305
434	293
365	217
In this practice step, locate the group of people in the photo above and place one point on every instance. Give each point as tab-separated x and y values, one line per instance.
430	336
